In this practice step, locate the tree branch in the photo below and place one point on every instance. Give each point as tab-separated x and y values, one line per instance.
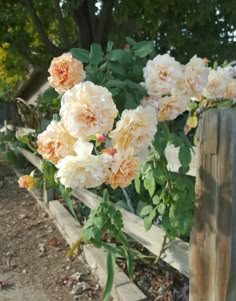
82	20
62	28
105	21
92	16
39	28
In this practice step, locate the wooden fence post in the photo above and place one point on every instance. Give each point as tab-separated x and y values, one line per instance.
48	194
212	260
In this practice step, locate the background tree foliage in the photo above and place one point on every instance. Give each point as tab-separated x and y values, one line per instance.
35	31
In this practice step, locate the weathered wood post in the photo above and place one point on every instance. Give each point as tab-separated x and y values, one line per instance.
213	240
48	194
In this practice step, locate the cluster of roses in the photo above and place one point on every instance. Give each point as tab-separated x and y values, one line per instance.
171	86
88	114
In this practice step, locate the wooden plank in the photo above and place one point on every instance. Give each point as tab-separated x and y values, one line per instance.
213	239
171	153
33	159
48	194
123	288
176	253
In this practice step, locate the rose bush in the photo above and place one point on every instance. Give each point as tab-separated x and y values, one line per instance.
116	119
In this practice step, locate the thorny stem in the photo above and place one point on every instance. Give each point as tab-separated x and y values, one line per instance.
162	249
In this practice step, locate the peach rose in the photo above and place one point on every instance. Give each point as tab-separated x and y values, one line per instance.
65	71
123	170
55	142
135	130
87	109
26	182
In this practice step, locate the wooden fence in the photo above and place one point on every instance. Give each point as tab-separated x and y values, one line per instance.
210	259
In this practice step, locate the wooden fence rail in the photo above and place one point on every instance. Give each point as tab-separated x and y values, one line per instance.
210	259
176	251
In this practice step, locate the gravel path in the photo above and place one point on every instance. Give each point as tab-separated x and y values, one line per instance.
32	252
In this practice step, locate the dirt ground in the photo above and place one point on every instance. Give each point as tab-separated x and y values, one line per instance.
33	265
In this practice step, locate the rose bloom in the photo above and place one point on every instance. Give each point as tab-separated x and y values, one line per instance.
84	170
151	100
230	90
123	170
26	182
87	109
161	74
55	142
65	72
170	107
195	77
217	83
135	130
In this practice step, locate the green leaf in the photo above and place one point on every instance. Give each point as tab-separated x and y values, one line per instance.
110	46
24	139
184	155
106	198
66	196
140	206
88	234
111	247
156	200
115	55
48	173
123	205
162	137
148	220
80	54
98	222
97	234
137	184
96	54
130	264
131	41
150	185
180	183
144	48
130	103
115	83
225	103
146	210
161	208
49	94
116	68
192	106
111	257
158	174
127	58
